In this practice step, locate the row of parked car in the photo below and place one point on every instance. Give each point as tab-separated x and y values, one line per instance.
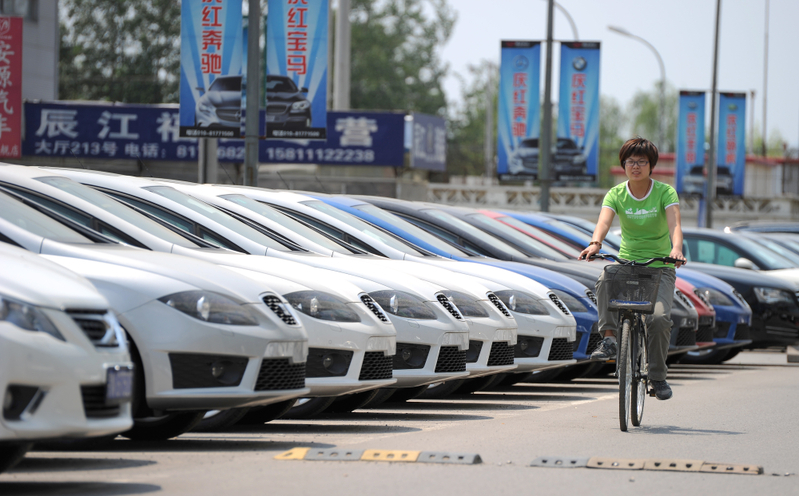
151	307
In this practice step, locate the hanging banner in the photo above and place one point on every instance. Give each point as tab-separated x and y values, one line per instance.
10	87
429	142
576	154
296	69
210	68
731	152
689	168
518	118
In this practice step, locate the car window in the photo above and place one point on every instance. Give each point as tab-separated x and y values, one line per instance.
280	85
450	220
516	238
778	249
544	236
226	84
58	207
159	212
707	251
530	143
37	223
567	144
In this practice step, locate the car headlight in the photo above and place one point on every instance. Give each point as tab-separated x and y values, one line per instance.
300	106
322	306
468	306
205	107
403	305
579	159
210	307
27	317
773	296
522	302
716	297
570	301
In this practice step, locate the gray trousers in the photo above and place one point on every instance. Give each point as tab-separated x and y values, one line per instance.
658	325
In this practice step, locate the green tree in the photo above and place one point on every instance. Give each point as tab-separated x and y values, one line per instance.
120	50
395	61
644	114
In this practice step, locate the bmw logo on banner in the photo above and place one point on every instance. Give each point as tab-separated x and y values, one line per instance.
731	151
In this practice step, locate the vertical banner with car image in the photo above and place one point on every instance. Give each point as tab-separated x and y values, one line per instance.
296	69
210	68
731	151
689	167
518	120
576	154
10	87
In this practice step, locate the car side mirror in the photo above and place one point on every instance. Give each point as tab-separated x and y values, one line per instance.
200	89
745	263
303	90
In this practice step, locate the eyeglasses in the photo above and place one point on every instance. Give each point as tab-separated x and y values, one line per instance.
639	163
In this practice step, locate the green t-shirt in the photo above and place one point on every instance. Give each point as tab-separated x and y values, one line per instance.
644	228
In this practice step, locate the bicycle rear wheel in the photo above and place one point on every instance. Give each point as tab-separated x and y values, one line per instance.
624	364
640	363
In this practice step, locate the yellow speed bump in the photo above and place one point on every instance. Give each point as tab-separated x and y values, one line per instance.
731	468
390	456
293	454
616	463
674	465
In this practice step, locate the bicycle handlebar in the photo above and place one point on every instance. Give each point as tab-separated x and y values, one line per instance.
623	261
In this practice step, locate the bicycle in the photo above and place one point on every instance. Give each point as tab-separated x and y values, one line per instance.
632	290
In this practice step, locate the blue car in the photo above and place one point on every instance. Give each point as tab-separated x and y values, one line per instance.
559	229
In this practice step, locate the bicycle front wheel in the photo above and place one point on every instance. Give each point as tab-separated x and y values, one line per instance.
624	364
639	360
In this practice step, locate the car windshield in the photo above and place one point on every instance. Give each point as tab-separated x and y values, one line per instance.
588	227
367	229
300	229
530	143
515	237
117	209
37	223
280	85
772	260
453	222
566	144
226	84
542	235
411	229
698	169
216	215
777	248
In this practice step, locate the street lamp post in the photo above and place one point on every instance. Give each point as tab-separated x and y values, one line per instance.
661	126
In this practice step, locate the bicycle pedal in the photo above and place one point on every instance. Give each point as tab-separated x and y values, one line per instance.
651	393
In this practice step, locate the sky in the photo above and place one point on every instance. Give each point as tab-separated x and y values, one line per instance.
680	30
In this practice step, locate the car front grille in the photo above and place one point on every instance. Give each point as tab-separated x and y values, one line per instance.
448	306
451	359
324	362
722	329
94	403
93	324
371	305
556	301
277	374
497	303
277	306
196	370
704	334
591	296
593	341
561	349
276	108
501	354
742	331
686	336
376	366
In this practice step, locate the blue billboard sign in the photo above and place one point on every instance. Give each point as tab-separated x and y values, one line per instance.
429	142
576	154
518	116
210	68
152	132
689	167
731	151
296	69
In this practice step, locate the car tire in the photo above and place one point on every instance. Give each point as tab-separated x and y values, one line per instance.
470	386
544	376
401	395
383	395
440	390
11	455
162	428
732	354
220	420
705	357
510	379
578	371
350	402
309	407
262	414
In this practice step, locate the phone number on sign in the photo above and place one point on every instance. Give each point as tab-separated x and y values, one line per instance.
302	155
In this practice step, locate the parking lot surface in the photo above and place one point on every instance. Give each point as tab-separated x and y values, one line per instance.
742	412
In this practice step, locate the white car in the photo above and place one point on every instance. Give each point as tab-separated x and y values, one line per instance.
65	371
204	336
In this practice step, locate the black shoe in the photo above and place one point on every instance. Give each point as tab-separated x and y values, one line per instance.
662	389
605	351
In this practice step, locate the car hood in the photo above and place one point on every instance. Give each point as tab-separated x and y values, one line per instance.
741	279
223	98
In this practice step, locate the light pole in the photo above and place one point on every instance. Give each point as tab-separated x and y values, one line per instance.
661	127
568	18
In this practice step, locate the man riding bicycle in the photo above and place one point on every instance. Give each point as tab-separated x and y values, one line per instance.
649	214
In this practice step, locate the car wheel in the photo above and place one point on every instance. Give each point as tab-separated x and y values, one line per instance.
511	378
309	407
705	357
219	420
262	414
10	455
163	428
350	402
383	395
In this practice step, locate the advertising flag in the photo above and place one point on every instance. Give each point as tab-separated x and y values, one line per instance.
731	152
576	153
690	160
518	118
296	69
210	68
10	87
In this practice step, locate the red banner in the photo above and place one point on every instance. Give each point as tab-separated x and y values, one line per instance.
10	86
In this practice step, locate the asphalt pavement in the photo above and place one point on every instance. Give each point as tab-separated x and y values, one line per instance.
741	412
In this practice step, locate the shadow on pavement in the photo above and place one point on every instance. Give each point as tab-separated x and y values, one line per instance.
543	396
404	412
557	388
44	464
187	444
318	426
82	488
685	431
457	402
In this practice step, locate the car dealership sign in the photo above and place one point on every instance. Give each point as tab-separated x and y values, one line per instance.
689	167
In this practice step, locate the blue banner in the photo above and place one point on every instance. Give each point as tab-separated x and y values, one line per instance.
429	142
210	68
152	132
518	118
689	168
731	152
296	69
576	155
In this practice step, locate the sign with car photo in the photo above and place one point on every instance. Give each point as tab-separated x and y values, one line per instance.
576	155
689	175
731	152
210	68
518	118
296	69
